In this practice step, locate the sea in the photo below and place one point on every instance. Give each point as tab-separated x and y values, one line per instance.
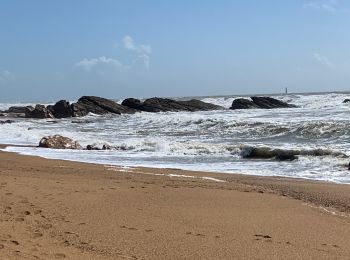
213	141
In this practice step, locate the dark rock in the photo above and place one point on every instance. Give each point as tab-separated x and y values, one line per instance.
78	110
59	142
96	148
268	102
259	102
285	156
132	103
268	153
242	103
91	147
198	105
16	110
61	109
346	100
6	122
82	121
40	111
165	104
98	105
106	147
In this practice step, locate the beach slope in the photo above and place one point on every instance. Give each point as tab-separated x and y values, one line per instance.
51	209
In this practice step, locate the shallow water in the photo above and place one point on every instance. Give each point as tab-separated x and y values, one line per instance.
211	141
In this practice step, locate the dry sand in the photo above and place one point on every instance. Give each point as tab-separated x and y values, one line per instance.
51	209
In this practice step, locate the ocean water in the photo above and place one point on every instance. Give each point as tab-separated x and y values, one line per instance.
209	141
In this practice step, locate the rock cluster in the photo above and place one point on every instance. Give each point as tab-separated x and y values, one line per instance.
259	102
99	105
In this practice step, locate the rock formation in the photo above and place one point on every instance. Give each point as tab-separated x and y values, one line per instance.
259	102
59	142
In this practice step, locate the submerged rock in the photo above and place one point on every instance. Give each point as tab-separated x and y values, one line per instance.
259	102
285	154
92	147
6	122
268	153
96	148
59	142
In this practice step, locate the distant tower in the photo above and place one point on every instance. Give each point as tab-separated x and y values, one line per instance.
286	91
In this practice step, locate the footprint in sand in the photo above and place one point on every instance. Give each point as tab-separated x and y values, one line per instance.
197	235
37	235
5	236
14	242
37	211
2	246
265	238
60	256
335	246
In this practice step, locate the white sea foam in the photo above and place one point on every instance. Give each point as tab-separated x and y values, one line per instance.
209	141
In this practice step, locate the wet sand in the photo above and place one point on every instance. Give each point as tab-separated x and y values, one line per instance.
52	209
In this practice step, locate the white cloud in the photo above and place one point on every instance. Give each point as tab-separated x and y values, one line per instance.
6	75
143	51
128	43
323	60
141	55
89	64
330	6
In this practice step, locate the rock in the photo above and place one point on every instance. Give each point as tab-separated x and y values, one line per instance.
98	105
132	103
346	100
259	102
61	109
242	103
59	142
268	153
78	110
106	147
91	147
40	111
6	122
16	110
164	104
268	102
82	121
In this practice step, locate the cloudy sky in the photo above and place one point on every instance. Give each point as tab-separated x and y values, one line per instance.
65	49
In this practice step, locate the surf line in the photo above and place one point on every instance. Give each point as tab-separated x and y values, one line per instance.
171	175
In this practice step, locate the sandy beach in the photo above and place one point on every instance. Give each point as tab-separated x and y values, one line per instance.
53	209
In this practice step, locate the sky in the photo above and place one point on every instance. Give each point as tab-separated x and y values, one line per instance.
51	50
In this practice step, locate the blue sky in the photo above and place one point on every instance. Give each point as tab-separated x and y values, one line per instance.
65	49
